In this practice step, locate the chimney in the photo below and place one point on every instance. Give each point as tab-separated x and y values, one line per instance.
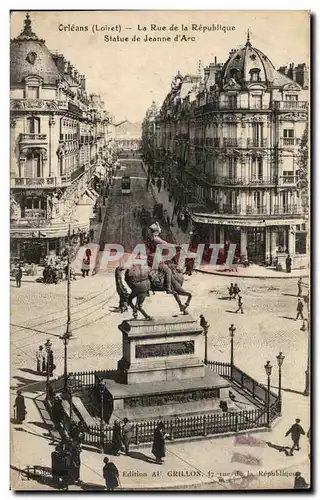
69	68
76	76
83	82
59	62
65	71
215	60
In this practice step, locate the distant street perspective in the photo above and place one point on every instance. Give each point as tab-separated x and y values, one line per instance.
185	364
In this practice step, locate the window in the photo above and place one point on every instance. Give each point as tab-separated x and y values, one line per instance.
256	101
290	97
232	101
301	242
33	125
254	75
32	92
288	133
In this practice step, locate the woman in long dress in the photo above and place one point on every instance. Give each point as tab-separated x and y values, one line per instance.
159	445
116	438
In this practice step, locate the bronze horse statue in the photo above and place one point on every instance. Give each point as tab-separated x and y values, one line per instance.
142	280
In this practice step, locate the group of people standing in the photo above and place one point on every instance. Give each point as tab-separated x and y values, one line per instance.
45	361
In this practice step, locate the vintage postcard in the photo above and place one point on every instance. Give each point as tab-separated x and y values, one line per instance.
160	254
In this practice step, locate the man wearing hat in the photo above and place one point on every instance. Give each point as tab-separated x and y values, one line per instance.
295	430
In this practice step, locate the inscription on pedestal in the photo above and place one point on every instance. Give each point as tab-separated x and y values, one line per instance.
167	349
177	397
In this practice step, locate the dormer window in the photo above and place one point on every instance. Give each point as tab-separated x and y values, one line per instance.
255	75
32	92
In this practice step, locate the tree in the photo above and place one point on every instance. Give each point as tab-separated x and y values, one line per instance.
303	167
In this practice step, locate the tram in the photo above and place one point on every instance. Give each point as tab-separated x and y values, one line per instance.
125	185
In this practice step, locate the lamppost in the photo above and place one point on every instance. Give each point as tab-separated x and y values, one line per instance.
232	329
102	389
47	346
306	326
280	359
268	369
205	325
66	336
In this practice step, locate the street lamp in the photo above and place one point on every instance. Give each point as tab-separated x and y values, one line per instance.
47	346
232	329
306	326
102	389
280	359
205	325
65	337
268	369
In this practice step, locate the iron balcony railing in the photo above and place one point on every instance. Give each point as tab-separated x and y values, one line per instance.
289	141
285	105
33	137
42	181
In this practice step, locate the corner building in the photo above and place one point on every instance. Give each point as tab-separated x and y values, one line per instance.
59	134
232	142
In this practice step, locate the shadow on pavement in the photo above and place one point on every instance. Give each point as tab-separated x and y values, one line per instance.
32	372
141	456
31	384
289	294
288	317
284	449
38	473
92	487
228	311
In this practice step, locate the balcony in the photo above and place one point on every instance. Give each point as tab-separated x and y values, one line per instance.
33	139
262	210
49	105
42	182
289	142
241	181
257	143
288	180
290	105
289	210
230	209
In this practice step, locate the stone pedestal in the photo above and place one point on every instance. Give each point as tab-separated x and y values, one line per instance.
161	350
162	372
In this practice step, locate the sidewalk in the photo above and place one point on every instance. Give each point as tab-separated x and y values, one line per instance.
257	460
253	271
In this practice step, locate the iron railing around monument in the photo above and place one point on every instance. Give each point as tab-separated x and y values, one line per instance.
188	427
213	423
246	383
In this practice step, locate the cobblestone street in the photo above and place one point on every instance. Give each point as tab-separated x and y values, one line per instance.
268	325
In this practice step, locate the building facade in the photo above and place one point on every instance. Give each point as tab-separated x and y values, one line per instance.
59	134
231	141
127	137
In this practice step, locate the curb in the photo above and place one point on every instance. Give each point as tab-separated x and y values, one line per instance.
239	276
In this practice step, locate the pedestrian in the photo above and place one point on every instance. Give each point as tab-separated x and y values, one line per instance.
296	431
127	434
121	290
300	287
85	268
116	444
159	184
168	220
159	445
57	411
50	363
203	322
41	360
75	450
20	408
110	474
240	304
288	263
57	464
147	183
18	276
231	292
299	309
299	482
236	290
91	234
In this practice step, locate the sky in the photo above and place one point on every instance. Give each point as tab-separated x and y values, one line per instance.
130	75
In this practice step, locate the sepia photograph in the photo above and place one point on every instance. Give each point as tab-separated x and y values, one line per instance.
160	323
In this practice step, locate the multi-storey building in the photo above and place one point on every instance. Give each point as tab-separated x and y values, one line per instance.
127	136
58	135
232	141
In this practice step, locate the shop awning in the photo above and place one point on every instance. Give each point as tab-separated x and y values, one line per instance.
214	219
